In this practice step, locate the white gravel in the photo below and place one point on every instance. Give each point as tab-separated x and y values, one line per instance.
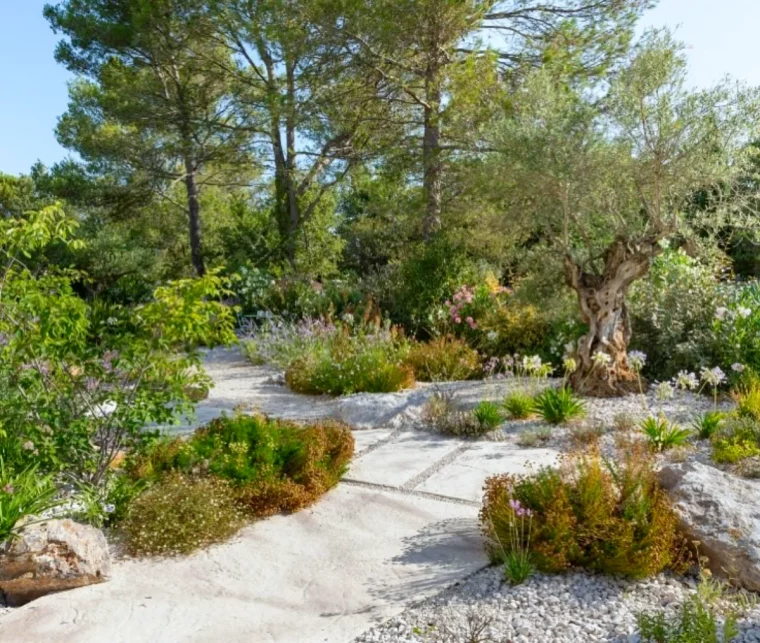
571	608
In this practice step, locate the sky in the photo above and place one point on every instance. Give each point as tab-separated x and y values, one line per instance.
721	36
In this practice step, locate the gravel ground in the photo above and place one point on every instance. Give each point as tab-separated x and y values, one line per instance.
572	608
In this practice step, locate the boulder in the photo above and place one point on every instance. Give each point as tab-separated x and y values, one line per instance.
722	513
52	556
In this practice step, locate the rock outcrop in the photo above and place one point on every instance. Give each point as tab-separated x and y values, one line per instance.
722	513
52	556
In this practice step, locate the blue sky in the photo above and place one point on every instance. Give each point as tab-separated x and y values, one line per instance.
722	37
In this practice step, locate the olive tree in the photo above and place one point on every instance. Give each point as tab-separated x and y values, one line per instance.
611	173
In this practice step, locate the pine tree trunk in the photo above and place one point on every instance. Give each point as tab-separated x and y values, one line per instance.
194	220
602	306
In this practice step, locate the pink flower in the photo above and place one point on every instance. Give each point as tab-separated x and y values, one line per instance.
458	319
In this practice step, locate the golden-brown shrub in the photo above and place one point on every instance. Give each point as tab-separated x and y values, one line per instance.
607	517
443	359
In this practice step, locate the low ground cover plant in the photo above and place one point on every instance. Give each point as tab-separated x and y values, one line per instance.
487	415
242	466
737	439
444	414
707	424
589	513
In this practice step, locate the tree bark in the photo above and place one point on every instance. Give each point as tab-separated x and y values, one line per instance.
431	138
194	219
602	306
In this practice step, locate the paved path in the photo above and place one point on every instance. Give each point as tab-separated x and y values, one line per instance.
400	527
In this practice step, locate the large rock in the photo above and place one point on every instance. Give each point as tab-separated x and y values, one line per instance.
722	512
52	556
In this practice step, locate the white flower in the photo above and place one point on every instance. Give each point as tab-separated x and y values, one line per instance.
743	312
492	336
637	359
712	376
737	367
570	364
601	359
348	318
686	381
531	364
109	508
664	391
720	313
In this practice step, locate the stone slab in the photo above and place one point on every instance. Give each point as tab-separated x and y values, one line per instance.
323	575
396	463
464	477
363	440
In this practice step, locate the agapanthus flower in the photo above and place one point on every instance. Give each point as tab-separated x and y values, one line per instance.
532	363
737	367
713	376
664	391
348	318
569	364
686	381
601	358
637	359
492	336
743	312
720	313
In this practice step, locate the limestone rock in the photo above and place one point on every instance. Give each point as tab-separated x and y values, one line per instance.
722	512
52	556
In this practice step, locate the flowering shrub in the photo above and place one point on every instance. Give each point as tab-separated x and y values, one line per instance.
443	359
280	343
612	518
74	395
358	360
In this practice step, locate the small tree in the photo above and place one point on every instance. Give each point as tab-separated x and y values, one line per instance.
610	173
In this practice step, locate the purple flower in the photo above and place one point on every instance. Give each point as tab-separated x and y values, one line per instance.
91	384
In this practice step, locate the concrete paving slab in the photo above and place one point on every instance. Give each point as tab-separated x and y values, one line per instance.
398	462
323	575
464	477
367	438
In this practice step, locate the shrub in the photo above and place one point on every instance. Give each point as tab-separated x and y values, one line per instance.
487	415
22	495
737	439
180	514
557	406
443	359
696	622
624	421
662	435
279	342
273	465
78	390
586	435
528	439
707	424
747	397
519	405
588	513
445	415
348	362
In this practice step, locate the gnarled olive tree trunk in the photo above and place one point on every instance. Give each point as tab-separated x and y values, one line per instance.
602	306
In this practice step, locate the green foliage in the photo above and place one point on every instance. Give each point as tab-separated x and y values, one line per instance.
78	388
180	514
24	494
272	465
737	439
443	359
707	424
557	406
612	518
696	622
353	361
487	415
662	434
519	405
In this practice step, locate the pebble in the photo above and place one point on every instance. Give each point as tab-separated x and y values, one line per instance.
573	608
